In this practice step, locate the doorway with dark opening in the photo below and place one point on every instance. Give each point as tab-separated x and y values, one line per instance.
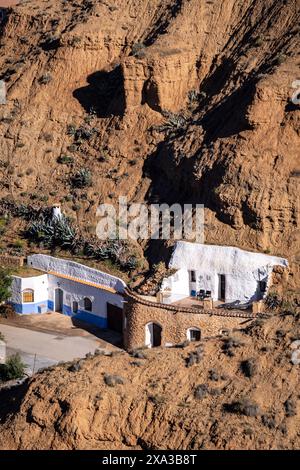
59	300
114	318
153	335
222	287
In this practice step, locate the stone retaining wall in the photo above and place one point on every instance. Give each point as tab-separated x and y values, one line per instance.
174	320
11	261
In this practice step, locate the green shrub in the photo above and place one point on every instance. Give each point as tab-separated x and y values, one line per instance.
249	367
244	407
71	129
45	79
18	244
84	133
82	179
193	96
138	50
112	380
65	159
273	301
290	407
3	223
200	391
5	284
13	368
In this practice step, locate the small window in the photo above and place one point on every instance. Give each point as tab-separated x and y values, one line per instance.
262	286
87	304
28	296
193	276
193	334
75	307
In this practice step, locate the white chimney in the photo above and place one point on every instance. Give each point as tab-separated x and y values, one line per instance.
56	211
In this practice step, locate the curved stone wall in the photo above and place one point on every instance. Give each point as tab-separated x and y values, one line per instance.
175	321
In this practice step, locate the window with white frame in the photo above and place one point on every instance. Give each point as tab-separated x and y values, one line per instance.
194	334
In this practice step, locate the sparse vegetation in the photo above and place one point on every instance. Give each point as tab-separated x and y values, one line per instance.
201	391
290	407
13	368
249	367
65	159
45	79
5	284
173	122
230	344
113	380
244	406
195	357
158	399
213	375
82	179
273	301
268	421
52	232
138	50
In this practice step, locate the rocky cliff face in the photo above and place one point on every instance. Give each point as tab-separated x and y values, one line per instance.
224	69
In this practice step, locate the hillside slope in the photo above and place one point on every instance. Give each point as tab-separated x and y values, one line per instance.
242	392
166	101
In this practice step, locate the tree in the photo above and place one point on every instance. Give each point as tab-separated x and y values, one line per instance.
5	284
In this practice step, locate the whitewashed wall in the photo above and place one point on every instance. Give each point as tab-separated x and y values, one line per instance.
243	270
76	292
39	284
76	270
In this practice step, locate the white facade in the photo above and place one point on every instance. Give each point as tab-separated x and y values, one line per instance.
228	273
21	285
67	287
75	270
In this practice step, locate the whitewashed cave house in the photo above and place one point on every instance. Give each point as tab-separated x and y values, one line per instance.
64	286
226	273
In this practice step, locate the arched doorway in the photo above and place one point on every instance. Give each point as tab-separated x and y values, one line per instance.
153	333
75	307
59	300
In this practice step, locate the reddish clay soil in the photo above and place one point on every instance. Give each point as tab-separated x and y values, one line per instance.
225	69
240	392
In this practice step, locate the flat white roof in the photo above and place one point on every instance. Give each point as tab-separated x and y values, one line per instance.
198	256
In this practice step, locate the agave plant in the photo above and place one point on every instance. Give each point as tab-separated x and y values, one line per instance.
52	232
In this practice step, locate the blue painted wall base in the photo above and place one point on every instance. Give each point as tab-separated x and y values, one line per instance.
30	307
48	305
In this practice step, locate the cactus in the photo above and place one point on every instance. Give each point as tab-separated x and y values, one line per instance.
55	232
